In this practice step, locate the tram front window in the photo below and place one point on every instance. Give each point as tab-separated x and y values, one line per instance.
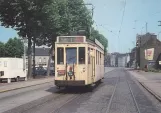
71	55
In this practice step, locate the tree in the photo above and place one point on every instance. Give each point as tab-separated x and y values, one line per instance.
2	49
14	48
63	17
25	16
101	38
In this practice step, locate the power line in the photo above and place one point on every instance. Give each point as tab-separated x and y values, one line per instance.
122	19
121	22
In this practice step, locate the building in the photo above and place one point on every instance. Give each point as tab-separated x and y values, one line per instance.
132	57
123	60
113	60
107	60
41	56
148	50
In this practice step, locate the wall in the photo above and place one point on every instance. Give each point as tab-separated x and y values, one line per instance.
122	61
113	60
152	43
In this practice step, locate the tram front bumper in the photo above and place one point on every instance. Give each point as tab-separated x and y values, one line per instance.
69	83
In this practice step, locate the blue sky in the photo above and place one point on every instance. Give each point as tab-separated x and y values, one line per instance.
108	15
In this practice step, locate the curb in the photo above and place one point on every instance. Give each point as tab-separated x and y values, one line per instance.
147	88
7	90
150	91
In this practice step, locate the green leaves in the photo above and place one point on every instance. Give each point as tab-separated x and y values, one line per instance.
96	35
2	49
44	20
13	48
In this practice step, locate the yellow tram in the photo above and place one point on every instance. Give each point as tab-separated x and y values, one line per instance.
78	61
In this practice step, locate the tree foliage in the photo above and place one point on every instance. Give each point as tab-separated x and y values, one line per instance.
14	48
101	38
43	20
2	49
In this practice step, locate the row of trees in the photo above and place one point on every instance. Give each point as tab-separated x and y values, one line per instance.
43	20
13	48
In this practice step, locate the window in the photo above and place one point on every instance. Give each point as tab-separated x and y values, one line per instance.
89	56
0	63
44	60
5	63
60	55
81	55
96	56
71	55
100	59
40	60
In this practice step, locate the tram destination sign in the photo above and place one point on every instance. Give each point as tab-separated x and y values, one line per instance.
71	39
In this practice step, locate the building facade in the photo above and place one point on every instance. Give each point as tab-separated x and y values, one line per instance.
147	46
113	60
41	57
123	60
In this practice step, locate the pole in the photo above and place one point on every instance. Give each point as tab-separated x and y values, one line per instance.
24	56
34	57
146	27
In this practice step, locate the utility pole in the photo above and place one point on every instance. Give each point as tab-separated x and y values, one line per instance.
146	27
160	23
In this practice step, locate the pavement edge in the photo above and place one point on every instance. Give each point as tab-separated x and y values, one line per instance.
147	88
7	90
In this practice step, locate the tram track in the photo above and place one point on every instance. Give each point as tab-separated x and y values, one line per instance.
133	97
108	110
67	102
111	99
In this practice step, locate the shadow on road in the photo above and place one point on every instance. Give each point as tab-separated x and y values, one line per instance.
74	90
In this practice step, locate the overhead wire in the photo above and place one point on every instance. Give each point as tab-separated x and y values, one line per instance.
121	22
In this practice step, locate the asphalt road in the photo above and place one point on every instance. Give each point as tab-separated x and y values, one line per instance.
118	93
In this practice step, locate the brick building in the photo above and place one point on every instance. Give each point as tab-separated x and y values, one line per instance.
145	42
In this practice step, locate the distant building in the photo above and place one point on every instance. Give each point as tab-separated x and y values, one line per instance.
107	60
148	50
113	60
123	60
132	57
41	56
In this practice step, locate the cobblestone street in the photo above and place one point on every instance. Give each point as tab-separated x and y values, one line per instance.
119	92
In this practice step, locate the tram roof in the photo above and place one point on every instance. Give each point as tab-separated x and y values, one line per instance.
77	39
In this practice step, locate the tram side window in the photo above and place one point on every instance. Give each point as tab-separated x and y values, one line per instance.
89	62
81	55
100	59
60	55
96	56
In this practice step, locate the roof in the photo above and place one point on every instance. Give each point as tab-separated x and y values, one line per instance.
42	51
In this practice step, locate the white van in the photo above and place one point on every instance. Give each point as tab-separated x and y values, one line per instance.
12	68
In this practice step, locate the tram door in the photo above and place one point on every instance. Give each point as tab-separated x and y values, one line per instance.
71	60
93	68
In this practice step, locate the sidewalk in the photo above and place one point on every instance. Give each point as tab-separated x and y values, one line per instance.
24	84
108	69
150	81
